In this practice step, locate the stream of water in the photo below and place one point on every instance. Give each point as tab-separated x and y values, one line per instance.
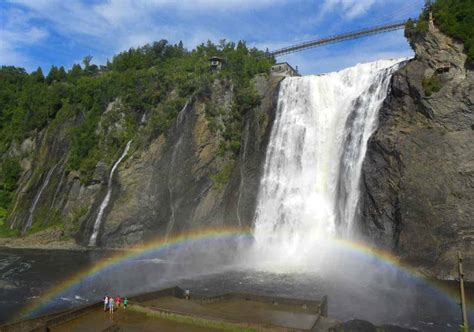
105	202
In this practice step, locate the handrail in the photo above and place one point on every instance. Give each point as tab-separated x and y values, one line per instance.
336	38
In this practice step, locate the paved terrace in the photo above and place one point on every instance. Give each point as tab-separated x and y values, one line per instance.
168	310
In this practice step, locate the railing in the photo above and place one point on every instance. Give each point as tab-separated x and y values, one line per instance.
337	38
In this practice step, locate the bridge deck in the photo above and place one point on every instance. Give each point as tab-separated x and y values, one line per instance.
337	38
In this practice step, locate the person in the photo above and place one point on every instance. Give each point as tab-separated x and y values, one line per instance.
111	305
186	294
117	300
125	303
106	303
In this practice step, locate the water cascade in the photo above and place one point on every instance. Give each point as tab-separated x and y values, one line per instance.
309	191
29	222
176	148
105	202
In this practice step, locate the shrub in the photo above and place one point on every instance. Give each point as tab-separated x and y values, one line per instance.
431	85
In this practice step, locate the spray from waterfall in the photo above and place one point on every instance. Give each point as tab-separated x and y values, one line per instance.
105	202
310	186
29	222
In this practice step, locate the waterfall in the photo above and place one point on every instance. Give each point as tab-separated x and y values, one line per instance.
29	222
105	202
309	191
172	168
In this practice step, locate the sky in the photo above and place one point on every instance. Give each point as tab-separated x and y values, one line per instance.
61	32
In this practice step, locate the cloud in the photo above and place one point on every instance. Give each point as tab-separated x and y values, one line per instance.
59	32
349	9
115	25
15	33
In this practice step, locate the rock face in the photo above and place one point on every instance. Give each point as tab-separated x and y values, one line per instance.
178	181
169	188
418	175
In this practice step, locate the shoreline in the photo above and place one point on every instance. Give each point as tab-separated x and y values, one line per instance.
48	239
54	239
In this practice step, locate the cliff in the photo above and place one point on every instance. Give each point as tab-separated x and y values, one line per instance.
179	180
418	174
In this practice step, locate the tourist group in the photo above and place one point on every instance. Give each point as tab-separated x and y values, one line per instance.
110	304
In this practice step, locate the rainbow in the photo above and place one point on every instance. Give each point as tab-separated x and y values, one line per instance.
154	246
160	245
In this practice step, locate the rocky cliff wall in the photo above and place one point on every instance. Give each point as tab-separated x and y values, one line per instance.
418	175
178	181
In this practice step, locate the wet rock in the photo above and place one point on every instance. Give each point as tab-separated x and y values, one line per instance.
355	325
7	285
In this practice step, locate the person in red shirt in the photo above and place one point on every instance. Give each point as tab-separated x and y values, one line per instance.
117	300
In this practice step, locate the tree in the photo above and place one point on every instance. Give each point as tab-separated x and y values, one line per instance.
37	75
87	61
62	76
75	72
53	75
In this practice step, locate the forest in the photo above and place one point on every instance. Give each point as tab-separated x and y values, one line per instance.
157	78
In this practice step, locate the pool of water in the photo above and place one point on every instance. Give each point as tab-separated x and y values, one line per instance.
382	297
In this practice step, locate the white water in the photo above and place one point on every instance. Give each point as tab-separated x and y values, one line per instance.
309	191
29	222
105	202
176	148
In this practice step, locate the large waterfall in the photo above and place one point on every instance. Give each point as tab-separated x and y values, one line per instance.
310	186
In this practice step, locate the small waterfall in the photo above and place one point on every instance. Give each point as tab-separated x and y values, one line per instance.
172	169
310	186
105	202
58	188
29	222
241	185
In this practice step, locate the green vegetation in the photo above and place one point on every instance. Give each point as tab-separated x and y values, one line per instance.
45	218
192	320
5	231
453	17
74	219
221	178
156	79
9	175
431	85
456	18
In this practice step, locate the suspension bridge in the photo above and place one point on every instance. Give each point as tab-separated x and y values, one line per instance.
394	19
337	38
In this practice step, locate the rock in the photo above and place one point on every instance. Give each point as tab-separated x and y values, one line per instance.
358	325
355	325
7	285
418	175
